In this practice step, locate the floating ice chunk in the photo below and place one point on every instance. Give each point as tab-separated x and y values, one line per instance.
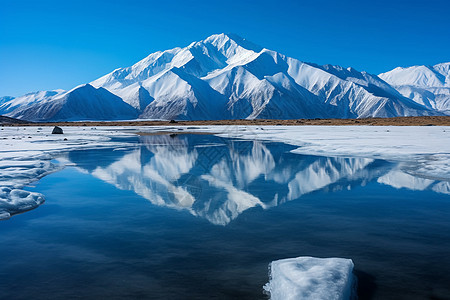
14	201
310	278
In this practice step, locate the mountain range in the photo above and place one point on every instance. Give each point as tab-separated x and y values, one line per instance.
228	77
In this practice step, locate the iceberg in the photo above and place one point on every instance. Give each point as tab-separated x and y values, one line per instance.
311	278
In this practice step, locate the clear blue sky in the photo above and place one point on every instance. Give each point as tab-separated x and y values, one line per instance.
50	44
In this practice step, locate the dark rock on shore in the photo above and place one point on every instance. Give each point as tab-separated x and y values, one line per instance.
57	130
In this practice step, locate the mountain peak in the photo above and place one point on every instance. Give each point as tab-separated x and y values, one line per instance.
444	64
419	76
223	38
83	87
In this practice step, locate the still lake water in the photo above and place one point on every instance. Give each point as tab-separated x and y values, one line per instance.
201	217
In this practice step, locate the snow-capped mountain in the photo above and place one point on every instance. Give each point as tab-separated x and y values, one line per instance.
221	77
81	103
426	85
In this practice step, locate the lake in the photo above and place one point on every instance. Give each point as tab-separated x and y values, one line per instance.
200	217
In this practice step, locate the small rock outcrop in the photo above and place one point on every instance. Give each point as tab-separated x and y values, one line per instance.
57	130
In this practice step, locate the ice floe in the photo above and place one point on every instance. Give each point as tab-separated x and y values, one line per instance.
13	201
311	278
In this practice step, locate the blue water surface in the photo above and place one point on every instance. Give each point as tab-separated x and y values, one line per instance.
201	217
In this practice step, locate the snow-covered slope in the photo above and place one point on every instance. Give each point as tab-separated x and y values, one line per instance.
10	104
223	77
426	85
82	103
5	99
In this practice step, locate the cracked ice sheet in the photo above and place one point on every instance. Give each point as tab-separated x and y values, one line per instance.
311	278
25	156
422	150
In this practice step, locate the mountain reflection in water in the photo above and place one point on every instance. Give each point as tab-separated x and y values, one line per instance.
218	179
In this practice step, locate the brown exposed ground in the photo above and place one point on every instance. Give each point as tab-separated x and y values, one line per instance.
399	121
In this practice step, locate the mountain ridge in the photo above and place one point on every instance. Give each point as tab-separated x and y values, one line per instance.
225	77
